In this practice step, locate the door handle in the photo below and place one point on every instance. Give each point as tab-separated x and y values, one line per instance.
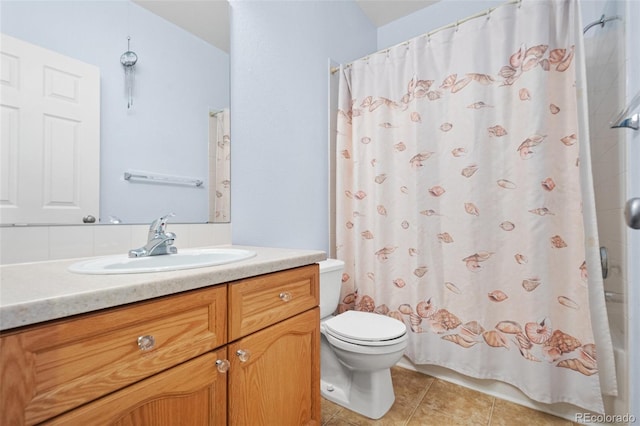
632	213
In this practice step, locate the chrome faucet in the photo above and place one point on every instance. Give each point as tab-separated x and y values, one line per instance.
158	241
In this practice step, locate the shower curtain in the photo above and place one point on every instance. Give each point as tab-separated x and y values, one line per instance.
222	167
460	207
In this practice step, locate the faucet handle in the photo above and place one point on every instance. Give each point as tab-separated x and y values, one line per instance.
158	226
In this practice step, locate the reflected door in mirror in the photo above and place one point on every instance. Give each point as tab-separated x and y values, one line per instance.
50	138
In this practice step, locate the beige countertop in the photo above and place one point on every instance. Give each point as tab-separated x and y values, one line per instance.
41	291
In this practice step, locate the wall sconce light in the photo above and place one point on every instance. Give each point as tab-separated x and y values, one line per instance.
128	61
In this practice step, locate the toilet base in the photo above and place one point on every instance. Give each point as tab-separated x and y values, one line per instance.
369	393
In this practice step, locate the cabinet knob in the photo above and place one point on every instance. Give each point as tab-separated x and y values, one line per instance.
243	355
146	342
285	296
223	365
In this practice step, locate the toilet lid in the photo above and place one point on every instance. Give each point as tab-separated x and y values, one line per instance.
365	326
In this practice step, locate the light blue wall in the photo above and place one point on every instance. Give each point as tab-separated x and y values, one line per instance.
438	15
178	78
279	115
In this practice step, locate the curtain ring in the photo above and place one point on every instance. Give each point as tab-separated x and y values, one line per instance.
457	25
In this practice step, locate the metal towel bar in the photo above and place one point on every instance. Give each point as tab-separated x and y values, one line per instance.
166	179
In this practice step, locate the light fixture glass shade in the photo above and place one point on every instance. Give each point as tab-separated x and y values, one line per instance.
128	61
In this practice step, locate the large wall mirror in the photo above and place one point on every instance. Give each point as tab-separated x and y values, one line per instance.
164	145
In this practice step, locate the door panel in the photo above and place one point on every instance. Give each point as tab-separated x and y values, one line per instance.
278	381
50	138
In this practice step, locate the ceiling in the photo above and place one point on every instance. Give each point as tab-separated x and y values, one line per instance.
381	12
209	19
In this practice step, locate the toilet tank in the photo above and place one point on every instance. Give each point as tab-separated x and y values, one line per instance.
330	285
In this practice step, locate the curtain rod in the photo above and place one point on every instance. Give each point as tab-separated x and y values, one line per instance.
455	24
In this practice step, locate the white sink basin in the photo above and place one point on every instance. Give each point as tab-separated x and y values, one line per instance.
184	259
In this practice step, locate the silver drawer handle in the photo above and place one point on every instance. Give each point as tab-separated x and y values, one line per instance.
146	342
285	296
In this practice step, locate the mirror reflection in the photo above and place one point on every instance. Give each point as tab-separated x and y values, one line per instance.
219	165
172	123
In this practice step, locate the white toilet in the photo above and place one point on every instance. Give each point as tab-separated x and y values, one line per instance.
357	350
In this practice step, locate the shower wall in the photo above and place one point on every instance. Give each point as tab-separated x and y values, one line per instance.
606	83
632	66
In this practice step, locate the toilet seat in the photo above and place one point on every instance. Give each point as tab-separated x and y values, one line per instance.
366	328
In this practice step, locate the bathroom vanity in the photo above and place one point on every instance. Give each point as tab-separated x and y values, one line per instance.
231	344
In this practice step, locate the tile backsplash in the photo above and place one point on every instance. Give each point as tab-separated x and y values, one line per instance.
20	244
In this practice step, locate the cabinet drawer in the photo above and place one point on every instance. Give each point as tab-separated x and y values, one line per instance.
193	393
49	369
256	303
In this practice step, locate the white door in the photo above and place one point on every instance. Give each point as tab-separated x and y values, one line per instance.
49	137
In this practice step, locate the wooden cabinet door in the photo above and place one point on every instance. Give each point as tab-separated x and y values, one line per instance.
193	393
279	383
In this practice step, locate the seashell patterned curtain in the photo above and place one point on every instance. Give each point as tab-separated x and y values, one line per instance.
220	198
465	203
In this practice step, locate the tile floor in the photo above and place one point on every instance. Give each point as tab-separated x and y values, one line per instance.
424	400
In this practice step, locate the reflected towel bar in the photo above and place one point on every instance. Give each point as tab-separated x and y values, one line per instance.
162	179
